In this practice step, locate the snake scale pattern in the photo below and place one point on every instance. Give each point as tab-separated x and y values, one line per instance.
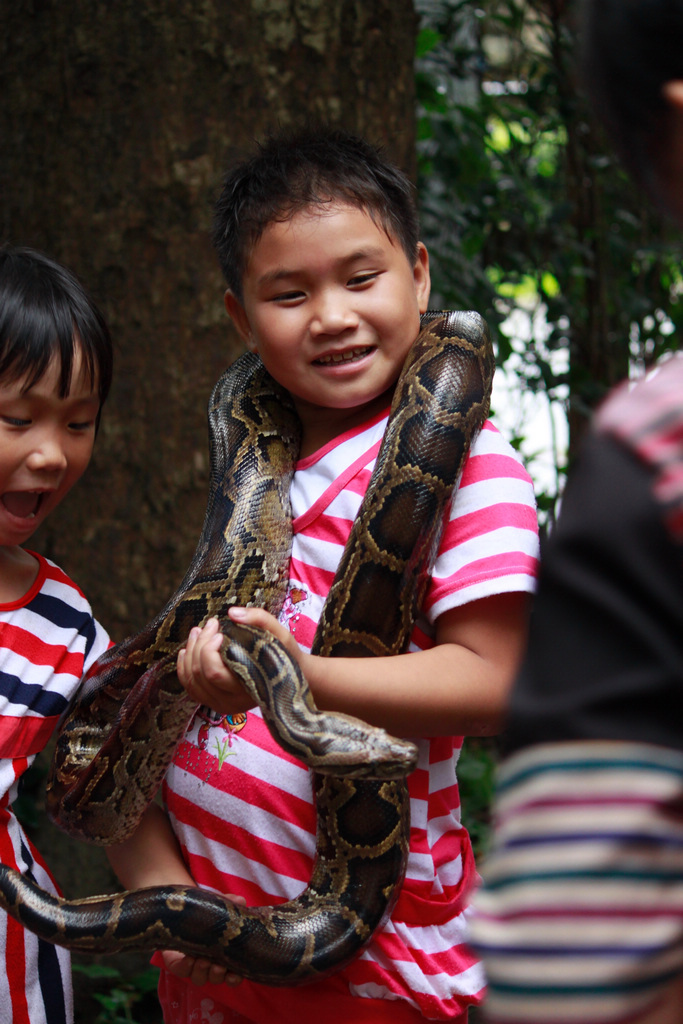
118	736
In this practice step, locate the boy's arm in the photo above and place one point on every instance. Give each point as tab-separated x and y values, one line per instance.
457	688
151	856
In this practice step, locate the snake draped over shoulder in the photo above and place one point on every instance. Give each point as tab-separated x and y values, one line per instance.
119	734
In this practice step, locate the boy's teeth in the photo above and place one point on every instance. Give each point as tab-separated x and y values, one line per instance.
23	504
343	357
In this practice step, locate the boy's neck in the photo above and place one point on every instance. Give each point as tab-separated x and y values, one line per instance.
18	571
322	425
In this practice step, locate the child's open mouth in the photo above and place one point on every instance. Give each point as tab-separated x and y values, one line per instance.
22	504
342	357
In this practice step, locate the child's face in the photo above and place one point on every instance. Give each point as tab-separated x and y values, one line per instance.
332	305
45	445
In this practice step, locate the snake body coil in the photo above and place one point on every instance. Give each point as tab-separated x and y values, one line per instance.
105	774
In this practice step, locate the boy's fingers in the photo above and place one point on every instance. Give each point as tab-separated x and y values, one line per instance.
218	975
182	671
178	964
262	619
254	616
192	638
213	668
200	972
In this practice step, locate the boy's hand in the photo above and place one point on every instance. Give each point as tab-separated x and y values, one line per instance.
261	619
199	970
204	675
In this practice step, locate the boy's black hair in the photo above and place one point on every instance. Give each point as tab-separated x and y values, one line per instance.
45	312
311	166
630	50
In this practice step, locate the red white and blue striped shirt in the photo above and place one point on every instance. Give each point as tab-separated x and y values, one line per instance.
48	640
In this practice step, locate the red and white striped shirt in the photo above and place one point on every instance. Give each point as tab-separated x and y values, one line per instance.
48	640
242	808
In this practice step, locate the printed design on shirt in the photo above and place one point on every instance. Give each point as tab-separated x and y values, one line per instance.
205	1013
298	596
216	732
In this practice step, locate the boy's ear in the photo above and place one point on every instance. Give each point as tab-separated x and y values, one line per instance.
421	277
673	94
669	163
237	314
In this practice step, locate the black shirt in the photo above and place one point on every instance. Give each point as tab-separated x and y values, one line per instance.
605	654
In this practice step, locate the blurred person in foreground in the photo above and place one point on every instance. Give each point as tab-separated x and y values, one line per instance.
580	918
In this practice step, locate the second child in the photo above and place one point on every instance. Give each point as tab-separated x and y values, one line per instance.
317	235
55	371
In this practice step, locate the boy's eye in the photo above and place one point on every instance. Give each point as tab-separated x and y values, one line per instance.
80	426
360	279
15	421
288	297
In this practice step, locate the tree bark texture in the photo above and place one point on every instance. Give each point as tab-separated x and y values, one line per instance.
117	122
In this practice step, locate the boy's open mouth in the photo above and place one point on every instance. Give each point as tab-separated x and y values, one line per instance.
22	504
343	357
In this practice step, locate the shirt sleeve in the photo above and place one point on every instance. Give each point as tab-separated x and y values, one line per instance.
100	643
490	542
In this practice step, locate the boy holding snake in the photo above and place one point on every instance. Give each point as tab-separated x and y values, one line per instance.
317	236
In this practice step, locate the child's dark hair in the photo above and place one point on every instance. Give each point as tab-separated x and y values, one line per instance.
311	166
45	312
630	50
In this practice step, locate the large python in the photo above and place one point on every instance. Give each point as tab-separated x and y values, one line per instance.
119	735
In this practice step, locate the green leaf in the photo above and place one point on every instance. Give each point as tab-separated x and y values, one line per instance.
97	971
427	39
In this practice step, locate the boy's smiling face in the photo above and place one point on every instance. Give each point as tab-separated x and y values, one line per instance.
332	305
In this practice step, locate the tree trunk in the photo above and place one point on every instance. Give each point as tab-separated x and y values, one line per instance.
598	352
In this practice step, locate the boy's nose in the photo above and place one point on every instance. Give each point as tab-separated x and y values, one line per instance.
47	455
333	314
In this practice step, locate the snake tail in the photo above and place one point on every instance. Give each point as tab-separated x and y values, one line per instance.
293	943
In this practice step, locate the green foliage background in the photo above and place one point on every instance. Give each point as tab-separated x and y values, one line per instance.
525	208
530	219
